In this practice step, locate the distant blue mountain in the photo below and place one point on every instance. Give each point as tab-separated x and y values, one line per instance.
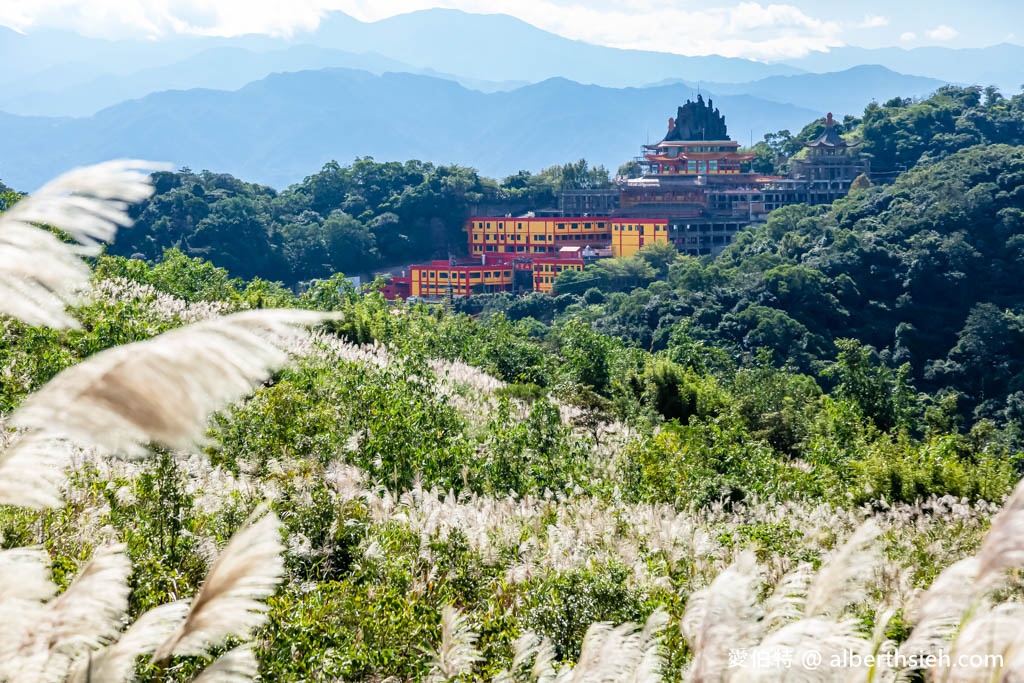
52	72
841	92
497	47
281	128
1000	65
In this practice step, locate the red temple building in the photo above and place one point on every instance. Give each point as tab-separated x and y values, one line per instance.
696	191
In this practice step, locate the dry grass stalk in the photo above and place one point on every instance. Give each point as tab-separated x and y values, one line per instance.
229	602
40	275
163	389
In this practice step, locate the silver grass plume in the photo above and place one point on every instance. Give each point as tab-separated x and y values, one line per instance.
824	637
40	642
1003	547
843	580
25	575
116	663
543	670
622	653
650	659
40	275
32	471
162	389
942	609
229	602
235	666
789	598
725	615
90	610
524	648
457	653
991	632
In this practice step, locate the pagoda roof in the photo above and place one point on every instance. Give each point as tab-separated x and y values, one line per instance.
702	156
688	143
831	137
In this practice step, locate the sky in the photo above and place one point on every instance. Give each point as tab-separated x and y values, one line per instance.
756	29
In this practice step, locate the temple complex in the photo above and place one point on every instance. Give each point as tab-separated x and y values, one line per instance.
698	180
696	191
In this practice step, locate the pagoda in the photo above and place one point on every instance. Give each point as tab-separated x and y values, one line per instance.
697	180
697	144
828	167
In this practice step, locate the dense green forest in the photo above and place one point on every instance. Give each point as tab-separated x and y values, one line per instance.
348	219
802	442
369	214
925	273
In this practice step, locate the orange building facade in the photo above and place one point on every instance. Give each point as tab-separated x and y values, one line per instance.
547	269
629	235
443	279
529	237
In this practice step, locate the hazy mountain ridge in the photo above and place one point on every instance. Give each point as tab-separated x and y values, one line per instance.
482	51
842	92
278	129
1001	65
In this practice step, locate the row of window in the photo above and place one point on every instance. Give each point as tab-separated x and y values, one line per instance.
443	275
482	225
555	268
537	238
658	227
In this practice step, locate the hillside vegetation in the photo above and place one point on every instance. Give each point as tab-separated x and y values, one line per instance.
798	447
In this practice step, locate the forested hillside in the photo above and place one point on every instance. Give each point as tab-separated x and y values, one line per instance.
348	219
800	445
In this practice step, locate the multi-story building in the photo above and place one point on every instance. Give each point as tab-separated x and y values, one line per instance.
696	192
629	235
546	269
697	182
529	236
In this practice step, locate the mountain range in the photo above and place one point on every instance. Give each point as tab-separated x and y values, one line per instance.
283	127
484	90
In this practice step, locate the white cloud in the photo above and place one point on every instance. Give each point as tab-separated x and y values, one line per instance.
742	29
943	33
874	21
908	36
123	18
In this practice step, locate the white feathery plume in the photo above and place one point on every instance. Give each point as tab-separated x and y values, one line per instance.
651	659
32	470
789	598
39	273
89	612
1003	547
843	580
229	601
80	619
543	670
524	648
25	575
458	652
725	615
622	653
988	642
881	647
235	666
24	585
811	637
116	663
163	389
942	609
598	656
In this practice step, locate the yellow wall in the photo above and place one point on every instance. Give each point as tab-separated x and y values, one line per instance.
532	236
629	236
544	274
439	281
